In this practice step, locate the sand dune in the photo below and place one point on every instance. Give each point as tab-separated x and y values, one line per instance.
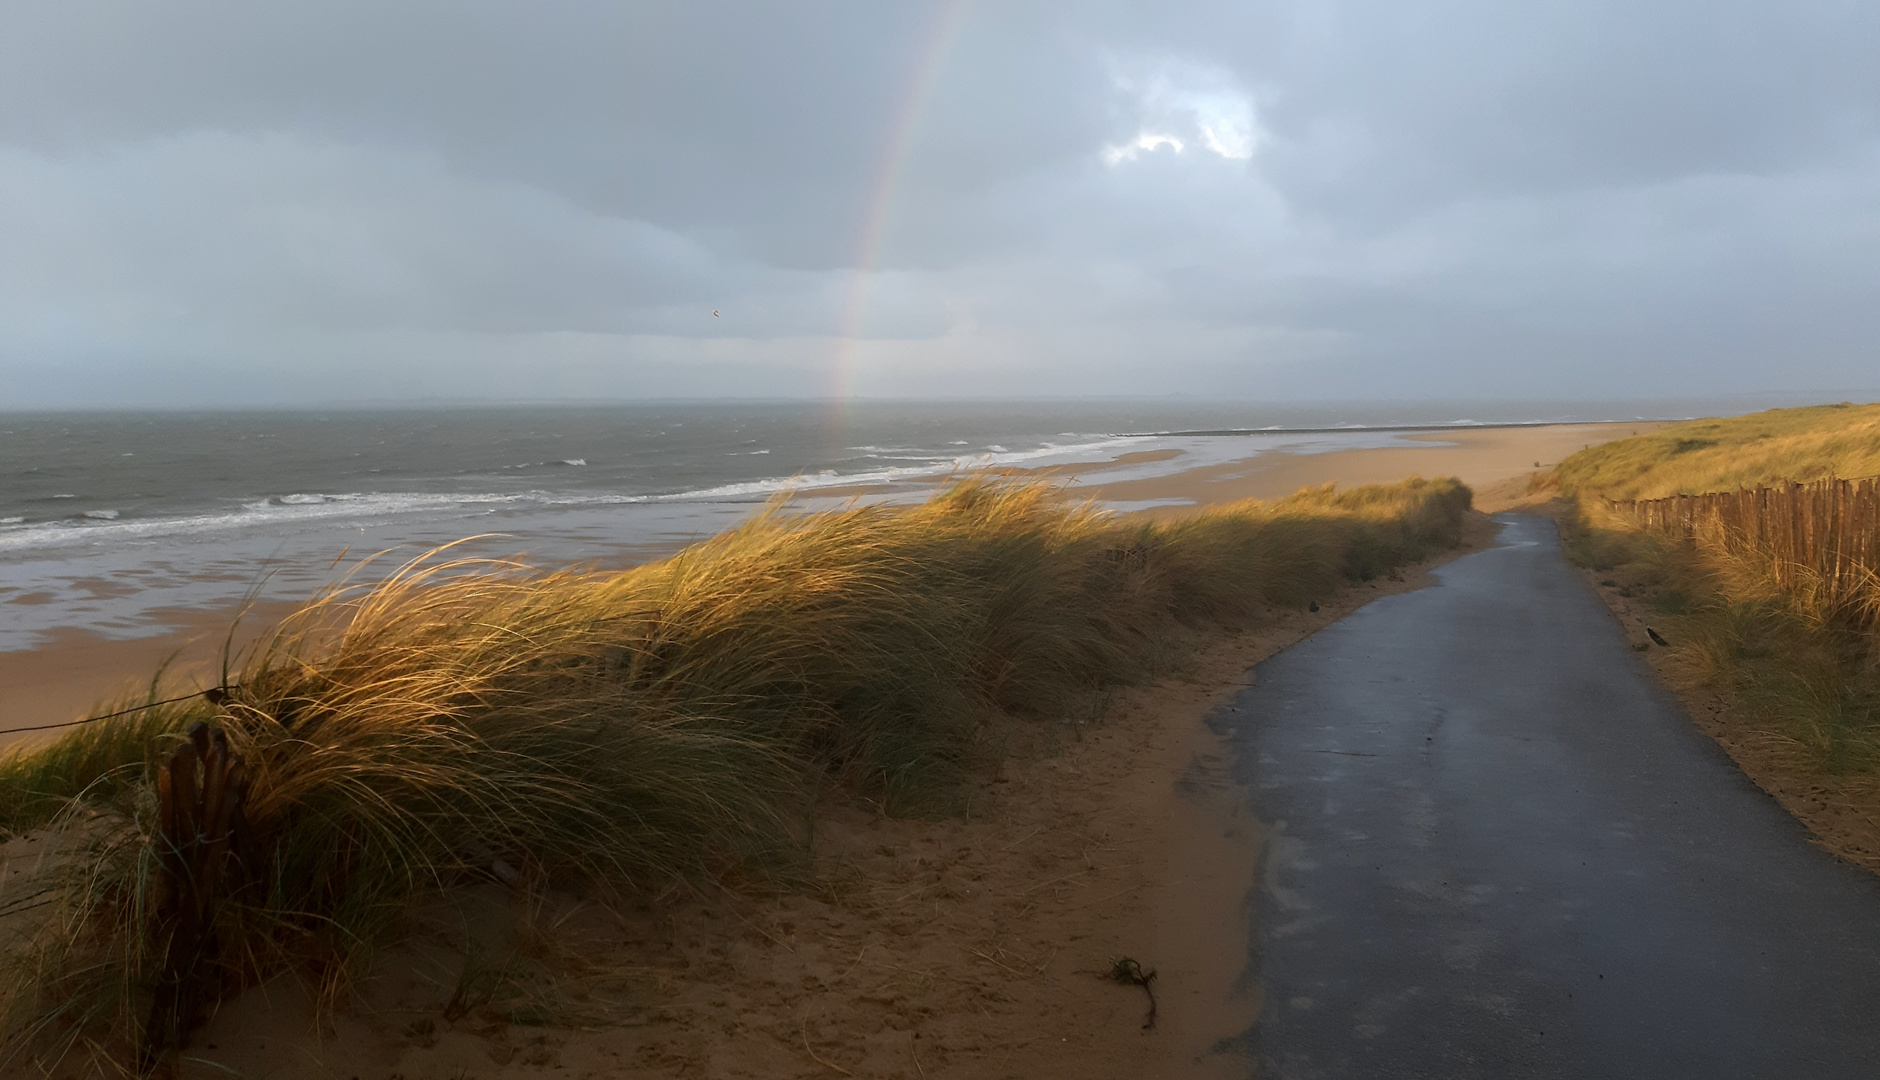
975	947
79	671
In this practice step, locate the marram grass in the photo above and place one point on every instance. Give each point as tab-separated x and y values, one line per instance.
1757	450
1796	655
1801	672
627	729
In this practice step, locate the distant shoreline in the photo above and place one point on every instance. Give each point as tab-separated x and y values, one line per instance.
1459	425
1493	459
75	670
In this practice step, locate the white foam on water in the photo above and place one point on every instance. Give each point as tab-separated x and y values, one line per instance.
1128	506
288	541
97	530
106	527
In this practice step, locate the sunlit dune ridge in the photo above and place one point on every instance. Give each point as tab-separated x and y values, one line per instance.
627	729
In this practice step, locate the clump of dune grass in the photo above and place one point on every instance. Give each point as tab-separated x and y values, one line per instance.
628	729
1722	454
1797	661
1799	653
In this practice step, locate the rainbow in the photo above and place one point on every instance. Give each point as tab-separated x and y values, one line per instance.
888	175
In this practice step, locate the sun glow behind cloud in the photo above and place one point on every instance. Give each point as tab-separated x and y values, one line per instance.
1147	142
234	204
1176	105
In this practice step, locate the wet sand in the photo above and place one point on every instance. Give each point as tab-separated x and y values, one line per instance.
79	671
1493	461
964	947
77	674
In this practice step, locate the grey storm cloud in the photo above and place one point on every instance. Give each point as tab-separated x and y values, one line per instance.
226	203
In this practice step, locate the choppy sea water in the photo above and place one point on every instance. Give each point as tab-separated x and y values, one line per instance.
111	522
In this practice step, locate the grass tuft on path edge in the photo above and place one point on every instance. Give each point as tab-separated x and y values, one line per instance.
1796	673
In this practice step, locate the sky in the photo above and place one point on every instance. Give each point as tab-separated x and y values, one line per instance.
250	203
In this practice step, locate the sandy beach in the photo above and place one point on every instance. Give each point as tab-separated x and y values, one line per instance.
78	671
974	946
1493	461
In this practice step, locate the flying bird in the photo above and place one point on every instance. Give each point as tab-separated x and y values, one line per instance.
1657	637
715	315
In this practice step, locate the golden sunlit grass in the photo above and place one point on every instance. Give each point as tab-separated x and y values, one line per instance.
1798	661
1757	450
624	730
1792	660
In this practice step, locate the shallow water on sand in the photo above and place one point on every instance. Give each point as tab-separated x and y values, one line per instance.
108	520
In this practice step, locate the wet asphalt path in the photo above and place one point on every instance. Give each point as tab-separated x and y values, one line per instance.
1497	848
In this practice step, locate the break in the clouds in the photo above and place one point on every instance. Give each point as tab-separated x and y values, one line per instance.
225	203
1175	106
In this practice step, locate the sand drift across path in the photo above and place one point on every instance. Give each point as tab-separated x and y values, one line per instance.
1497	848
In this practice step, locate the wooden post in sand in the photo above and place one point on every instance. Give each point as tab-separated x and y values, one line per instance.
200	826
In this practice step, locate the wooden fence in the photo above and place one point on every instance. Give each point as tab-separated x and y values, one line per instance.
1824	535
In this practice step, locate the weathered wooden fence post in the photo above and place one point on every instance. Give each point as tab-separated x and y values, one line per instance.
1827	531
200	788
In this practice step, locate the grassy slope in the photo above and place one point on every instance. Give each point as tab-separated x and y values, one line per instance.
623	729
1724	454
1799	683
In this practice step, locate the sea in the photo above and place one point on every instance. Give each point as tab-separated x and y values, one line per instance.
116	523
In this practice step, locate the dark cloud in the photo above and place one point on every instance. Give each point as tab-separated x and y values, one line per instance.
255	201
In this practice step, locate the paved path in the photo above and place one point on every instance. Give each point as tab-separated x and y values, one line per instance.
1499	849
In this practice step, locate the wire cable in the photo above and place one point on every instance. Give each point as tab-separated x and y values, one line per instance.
216	694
